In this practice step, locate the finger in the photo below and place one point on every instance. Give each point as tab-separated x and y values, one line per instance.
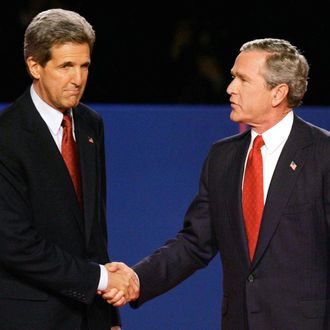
110	294
117	297
112	267
120	303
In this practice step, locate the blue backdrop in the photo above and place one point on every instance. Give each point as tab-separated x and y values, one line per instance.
154	157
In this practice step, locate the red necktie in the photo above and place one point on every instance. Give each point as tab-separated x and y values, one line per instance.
70	155
253	194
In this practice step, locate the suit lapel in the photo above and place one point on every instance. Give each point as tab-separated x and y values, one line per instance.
282	183
43	146
87	145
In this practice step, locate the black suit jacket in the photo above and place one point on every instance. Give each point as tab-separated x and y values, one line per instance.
49	248
287	284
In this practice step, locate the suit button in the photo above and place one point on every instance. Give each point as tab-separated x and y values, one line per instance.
251	278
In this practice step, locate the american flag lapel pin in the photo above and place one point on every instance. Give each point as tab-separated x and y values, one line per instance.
293	165
90	140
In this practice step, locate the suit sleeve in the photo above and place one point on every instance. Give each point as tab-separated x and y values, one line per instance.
192	249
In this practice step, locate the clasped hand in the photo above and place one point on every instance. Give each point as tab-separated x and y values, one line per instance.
123	284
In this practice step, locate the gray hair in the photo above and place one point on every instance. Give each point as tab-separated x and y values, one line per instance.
55	27
285	64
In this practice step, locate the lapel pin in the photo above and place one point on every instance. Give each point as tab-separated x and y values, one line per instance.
293	165
90	140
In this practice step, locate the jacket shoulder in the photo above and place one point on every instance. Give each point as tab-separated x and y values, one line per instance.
88	112
230	141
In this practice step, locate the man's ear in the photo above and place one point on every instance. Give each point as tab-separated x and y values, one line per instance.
33	67
279	93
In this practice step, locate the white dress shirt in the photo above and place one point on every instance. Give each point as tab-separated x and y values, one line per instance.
274	139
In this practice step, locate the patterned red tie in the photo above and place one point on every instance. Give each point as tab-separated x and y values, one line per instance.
70	155
253	194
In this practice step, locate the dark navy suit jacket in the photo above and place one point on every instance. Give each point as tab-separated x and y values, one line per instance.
287	284
49	248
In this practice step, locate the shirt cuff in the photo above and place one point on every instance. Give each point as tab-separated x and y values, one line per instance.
103	282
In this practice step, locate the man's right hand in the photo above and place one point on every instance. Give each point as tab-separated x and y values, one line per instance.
123	284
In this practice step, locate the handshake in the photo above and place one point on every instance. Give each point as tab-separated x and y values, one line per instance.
123	284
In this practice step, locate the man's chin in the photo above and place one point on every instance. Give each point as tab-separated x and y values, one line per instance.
235	118
72	102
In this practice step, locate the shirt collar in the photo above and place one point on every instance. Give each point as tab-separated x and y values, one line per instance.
50	115
277	134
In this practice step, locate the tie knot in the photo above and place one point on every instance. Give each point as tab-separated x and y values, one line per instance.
258	142
67	121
